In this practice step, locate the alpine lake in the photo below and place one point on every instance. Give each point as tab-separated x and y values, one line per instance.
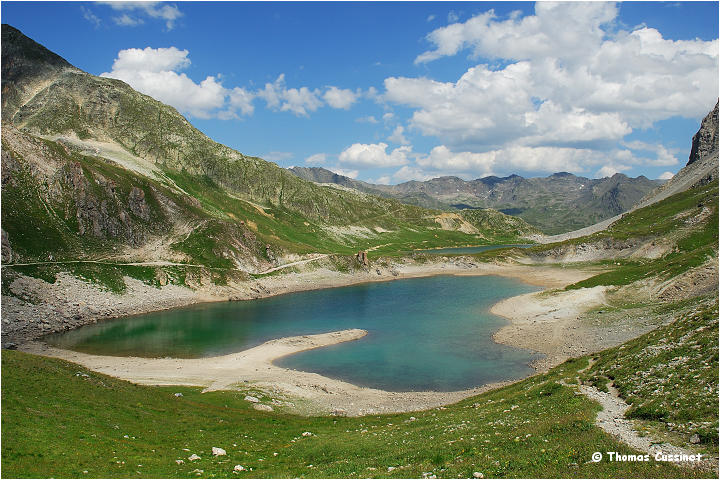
431	333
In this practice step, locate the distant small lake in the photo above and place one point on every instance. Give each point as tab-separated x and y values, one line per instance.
470	250
431	333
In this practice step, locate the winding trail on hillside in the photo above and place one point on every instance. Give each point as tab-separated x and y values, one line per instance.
292	264
613	421
165	263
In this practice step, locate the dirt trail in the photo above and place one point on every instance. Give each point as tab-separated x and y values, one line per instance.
164	263
612	420
299	262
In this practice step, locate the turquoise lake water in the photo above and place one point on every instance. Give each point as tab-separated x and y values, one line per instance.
469	250
431	333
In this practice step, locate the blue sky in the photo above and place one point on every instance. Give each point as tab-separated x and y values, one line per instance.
393	91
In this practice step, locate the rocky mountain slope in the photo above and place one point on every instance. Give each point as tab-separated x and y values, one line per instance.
558	203
92	168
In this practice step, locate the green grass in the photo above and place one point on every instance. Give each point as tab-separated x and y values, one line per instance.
56	422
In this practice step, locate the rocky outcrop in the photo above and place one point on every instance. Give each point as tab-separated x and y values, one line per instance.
362	259
6	248
269	253
705	141
137	205
99	211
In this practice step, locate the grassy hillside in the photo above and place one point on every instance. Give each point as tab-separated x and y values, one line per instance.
670	374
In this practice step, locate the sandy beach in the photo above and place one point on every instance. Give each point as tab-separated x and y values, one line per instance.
538	321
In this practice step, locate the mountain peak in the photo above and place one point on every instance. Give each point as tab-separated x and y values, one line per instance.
25	63
22	56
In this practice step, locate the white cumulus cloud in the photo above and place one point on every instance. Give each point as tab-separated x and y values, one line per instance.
367	119
340	98
372	155
407	173
299	101
555	90
135	13
343	171
155	72
398	136
442	160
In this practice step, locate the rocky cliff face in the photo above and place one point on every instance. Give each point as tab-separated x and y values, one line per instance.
705	141
57	194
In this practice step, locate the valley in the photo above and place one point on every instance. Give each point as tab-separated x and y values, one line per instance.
115	206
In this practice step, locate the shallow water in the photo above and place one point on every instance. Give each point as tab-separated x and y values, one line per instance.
431	333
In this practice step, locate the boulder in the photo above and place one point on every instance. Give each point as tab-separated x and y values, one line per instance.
250	398
217	451
263	408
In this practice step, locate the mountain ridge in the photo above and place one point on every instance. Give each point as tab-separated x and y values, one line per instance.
559	202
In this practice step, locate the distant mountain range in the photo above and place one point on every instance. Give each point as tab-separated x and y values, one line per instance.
558	203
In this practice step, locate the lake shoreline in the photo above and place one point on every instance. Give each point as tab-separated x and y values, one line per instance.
319	394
